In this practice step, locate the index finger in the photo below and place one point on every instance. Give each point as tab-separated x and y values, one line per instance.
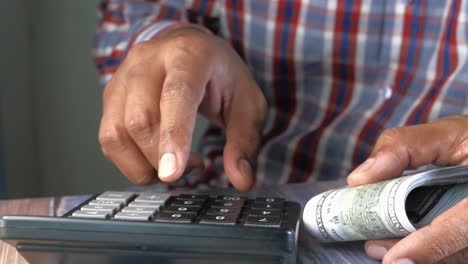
181	95
443	142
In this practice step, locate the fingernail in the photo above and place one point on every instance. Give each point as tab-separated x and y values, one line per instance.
167	165
403	261
375	251
364	166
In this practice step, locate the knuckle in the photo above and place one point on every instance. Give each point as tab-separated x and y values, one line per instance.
140	50
195	46
393	142
176	89
439	252
172	132
139	123
195	38
136	70
439	247
106	91
460	148
106	153
169	132
391	136
112	139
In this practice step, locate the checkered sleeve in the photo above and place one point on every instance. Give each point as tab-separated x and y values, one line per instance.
124	23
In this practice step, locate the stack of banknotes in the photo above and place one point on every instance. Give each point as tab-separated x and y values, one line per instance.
392	208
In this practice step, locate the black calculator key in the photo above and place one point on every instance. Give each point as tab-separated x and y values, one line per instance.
218	219
270	207
174	217
231	199
267	221
258	212
195	197
181	209
188	203
269	200
223	211
231	204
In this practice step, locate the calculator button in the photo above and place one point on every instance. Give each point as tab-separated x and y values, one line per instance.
195	197
223	211
231	199
116	196
189	203
91	214
268	221
174	217
181	209
146	205
106	203
153	197
231	204
99	208
258	212
139	210
218	219
133	216
270	207
269	200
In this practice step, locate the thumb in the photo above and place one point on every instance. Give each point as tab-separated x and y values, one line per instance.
445	236
442	142
243	136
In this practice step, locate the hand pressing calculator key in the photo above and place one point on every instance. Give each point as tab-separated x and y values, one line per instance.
127	227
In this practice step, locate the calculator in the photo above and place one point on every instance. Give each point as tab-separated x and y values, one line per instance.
129	227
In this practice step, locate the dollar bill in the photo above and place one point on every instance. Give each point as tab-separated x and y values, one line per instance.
380	210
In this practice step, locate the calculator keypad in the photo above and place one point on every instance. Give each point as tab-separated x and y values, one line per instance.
185	208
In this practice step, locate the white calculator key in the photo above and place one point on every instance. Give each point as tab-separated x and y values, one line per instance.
115	196
145	205
106	203
139	210
99	208
91	214
153	197
133	216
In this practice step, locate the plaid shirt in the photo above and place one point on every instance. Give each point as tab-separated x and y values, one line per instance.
336	73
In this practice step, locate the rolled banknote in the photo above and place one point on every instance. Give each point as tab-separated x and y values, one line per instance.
392	208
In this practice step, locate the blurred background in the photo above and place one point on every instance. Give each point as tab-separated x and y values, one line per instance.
50	101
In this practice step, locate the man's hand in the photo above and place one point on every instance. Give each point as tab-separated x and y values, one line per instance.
442	142
150	107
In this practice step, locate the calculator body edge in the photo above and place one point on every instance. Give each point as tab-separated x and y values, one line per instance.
44	239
